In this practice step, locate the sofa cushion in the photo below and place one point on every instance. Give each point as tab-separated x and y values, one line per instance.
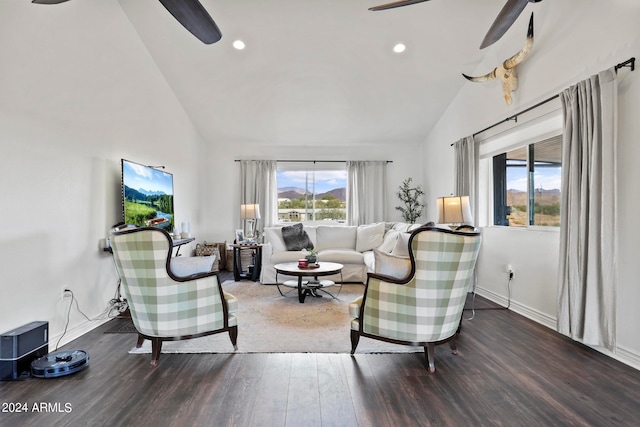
295	238
342	256
273	235
392	265
286	256
335	237
369	236
401	248
369	261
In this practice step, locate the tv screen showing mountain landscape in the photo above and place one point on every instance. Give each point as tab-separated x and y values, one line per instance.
147	196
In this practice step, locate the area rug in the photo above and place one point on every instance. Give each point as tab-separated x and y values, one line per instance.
121	326
271	323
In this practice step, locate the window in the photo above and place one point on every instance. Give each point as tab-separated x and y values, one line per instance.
312	191
526	185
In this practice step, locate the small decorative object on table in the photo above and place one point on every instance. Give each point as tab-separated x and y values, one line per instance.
311	255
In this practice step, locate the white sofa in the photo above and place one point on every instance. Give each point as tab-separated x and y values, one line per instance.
355	247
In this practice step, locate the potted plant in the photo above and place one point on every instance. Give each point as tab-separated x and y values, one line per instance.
410	197
311	255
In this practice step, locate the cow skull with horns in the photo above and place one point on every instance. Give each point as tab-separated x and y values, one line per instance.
507	70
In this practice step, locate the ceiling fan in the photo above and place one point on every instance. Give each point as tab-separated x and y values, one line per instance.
190	13
503	22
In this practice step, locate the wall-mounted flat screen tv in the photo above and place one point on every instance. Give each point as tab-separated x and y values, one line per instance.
147	196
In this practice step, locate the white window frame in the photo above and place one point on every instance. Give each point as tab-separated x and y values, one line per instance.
311	166
537	125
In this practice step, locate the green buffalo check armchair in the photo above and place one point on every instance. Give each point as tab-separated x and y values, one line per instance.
424	308
164	306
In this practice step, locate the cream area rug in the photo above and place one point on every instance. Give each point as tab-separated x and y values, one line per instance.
271	323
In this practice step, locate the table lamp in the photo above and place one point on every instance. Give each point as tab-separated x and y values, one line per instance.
454	210
250	213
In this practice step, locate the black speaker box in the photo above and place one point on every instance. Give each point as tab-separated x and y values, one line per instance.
20	346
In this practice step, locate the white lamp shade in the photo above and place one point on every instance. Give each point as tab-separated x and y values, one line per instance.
250	211
454	210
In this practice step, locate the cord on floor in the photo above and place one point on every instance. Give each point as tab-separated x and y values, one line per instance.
473	301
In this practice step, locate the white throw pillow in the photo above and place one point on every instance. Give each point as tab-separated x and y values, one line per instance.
391	265
388	241
186	266
402	227
273	235
369	236
402	245
335	237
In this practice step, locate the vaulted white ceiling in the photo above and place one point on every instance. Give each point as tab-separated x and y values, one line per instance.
322	71
314	72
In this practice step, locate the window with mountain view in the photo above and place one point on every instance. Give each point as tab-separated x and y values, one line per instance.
526	185
310	192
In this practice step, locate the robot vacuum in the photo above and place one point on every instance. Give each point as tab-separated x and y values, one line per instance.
60	363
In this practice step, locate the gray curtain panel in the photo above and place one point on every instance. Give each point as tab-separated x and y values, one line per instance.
258	185
366	191
467	154
588	232
467	158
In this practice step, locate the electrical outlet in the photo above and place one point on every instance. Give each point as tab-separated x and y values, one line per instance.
510	271
64	292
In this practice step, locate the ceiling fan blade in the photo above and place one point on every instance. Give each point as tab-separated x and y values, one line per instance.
503	22
396	4
48	1
195	18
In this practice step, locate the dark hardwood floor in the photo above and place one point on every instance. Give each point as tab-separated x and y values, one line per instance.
510	371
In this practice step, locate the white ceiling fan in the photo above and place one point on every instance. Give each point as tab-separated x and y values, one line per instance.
190	13
503	22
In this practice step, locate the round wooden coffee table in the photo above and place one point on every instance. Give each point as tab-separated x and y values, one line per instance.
308	287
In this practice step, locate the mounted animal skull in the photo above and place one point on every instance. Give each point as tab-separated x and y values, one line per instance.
507	71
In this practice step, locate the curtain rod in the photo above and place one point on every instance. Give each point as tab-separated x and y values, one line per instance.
631	63
320	161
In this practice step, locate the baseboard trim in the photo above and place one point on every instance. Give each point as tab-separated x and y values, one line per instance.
528	312
74	333
622	354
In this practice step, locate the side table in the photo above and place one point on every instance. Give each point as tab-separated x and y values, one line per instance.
254	269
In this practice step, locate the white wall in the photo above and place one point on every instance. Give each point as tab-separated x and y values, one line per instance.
598	35
79	92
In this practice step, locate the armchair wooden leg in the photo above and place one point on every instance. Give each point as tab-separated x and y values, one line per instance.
140	341
233	334
355	339
429	354
156	347
453	346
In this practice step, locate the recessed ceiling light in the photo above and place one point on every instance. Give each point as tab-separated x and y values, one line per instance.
399	48
239	44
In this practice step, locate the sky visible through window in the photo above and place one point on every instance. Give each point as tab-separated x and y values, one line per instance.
545	178
325	180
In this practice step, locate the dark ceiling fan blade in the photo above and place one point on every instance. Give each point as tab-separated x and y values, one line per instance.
195	18
48	1
504	20
396	4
